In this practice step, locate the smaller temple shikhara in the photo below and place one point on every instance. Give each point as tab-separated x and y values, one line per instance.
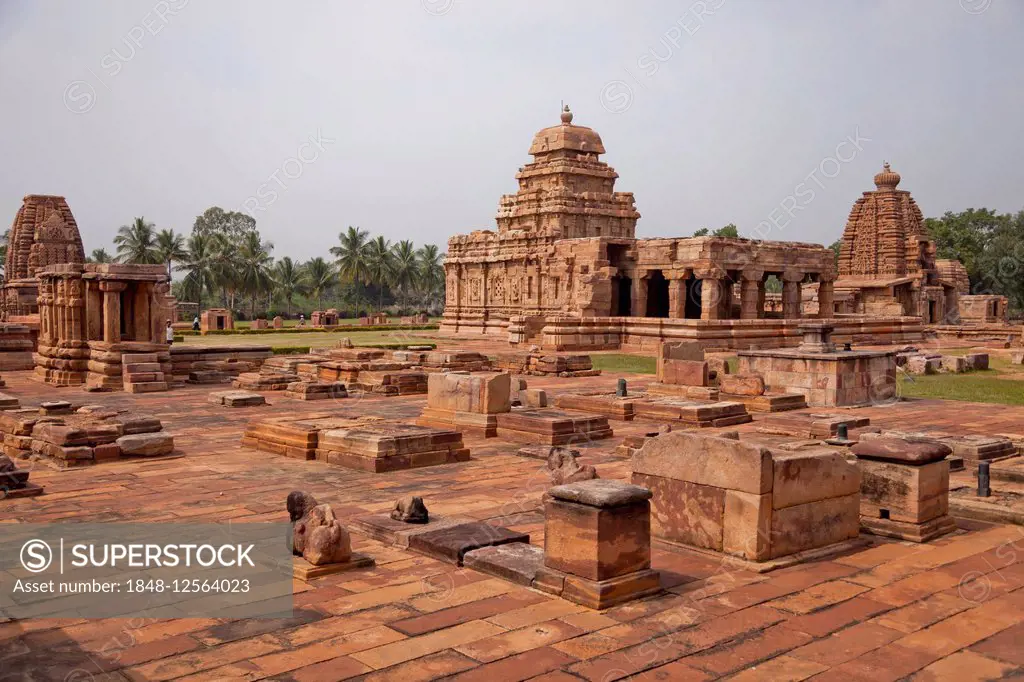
83	319
565	270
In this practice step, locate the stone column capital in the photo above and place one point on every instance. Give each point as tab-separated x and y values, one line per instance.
752	275
107	285
709	273
793	276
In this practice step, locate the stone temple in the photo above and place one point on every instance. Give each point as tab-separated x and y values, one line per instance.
565	270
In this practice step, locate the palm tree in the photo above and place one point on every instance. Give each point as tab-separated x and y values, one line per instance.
170	247
320	277
350	255
4	238
380	266
290	280
254	271
431	270
201	264
136	243
404	266
100	256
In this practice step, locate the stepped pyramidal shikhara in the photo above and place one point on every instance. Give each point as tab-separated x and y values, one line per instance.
888	264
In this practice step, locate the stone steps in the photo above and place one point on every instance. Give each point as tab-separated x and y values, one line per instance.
143	373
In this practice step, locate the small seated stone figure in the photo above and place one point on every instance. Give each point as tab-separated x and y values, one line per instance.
298	503
410	510
563	467
320	538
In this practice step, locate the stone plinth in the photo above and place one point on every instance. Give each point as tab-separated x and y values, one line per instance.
390	447
597	535
746	501
817	337
315	390
548	426
296	436
15	347
467	402
842	378
606	404
691	413
543	364
904	487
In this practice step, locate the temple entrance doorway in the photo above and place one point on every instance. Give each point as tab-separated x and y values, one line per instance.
657	295
622	296
691	310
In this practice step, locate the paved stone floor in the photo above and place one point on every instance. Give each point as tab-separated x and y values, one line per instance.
951	609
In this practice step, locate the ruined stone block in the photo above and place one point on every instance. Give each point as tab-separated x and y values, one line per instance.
741	384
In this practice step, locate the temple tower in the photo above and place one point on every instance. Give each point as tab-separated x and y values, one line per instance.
567	192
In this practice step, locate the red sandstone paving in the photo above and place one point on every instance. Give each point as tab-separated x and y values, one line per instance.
953	608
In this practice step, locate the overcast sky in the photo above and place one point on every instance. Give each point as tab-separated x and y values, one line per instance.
412	116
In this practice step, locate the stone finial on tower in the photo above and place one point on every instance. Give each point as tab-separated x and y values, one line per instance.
566	115
887	179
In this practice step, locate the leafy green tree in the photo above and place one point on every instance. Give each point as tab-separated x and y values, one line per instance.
836	246
231	225
404	267
254	267
320	277
729	230
380	266
202	265
350	255
170	248
136	243
99	256
289	280
964	236
430	272
702	232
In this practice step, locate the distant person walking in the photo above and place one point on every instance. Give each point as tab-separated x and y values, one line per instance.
302	320
169	333
195	324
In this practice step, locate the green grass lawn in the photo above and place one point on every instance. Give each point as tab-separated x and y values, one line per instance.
976	387
617	362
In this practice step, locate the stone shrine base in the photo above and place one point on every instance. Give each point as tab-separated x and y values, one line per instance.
547	426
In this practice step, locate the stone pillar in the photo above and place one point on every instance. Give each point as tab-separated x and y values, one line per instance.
142	319
725	301
752	295
597	539
710	298
826	303
93	311
677	297
639	302
791	302
112	310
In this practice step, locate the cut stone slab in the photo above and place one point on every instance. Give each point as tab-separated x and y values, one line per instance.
237	399
911	451
393	532
53	407
28	490
9	402
146	444
517	562
451	544
600	493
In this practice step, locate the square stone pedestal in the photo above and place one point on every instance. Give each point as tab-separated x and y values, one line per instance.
598	534
904	488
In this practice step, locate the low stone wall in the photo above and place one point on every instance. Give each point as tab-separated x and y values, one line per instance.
245	358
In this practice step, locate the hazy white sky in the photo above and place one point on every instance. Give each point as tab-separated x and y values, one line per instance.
412	116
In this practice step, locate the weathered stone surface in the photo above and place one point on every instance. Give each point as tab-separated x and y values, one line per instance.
901	492
517	562
451	544
815	524
720	462
977	361
812	474
410	510
919	364
955	364
909	450
320	538
237	399
741	384
685	512
597	542
299	503
746	525
600	493
563	467
469	393
146	444
534	397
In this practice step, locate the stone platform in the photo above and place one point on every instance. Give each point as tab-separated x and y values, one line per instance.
296	436
691	413
387	447
548	426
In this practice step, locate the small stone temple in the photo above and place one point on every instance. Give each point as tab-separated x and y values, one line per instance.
565	268
887	263
91	315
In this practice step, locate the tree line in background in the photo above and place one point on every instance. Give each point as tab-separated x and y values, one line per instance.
225	261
